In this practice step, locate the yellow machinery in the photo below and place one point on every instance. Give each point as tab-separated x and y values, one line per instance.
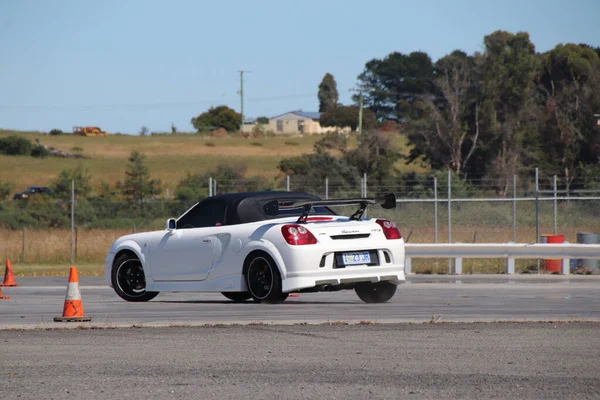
88	131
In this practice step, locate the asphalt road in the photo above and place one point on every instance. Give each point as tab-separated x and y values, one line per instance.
415	361
37	301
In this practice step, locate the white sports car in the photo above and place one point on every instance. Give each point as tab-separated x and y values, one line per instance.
263	246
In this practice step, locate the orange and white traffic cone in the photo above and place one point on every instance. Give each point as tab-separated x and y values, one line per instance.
73	309
9	277
3	296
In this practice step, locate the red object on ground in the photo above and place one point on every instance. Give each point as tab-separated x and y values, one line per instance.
9	276
553	266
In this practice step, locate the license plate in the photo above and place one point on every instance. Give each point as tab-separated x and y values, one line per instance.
357	258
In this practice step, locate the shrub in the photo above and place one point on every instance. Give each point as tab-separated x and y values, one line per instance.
15	146
210	144
291	143
55	132
39	151
5	189
257	144
76	148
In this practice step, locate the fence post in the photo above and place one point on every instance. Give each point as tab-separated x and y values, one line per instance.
76	236
514	210
23	245
287	183
210	186
510	266
458	266
215	189
365	184
72	220
435	211
326	188
537	212
555	208
449	217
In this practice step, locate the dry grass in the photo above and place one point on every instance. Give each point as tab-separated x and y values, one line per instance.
34	270
169	157
53	246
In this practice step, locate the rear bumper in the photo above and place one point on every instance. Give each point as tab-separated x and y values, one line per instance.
308	279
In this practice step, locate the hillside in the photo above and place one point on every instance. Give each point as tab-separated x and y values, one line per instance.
169	157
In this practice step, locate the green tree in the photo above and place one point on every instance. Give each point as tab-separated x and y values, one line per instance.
262	120
508	65
217	117
5	189
61	186
15	146
143	131
328	93
311	170
569	86
391	86
138	185
55	132
347	116
375	156
229	178
448	133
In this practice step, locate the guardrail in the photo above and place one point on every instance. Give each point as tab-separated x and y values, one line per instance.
510	251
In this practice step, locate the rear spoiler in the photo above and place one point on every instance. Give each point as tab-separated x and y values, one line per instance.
388	202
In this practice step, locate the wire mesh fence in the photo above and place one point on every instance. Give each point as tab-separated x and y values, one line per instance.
438	209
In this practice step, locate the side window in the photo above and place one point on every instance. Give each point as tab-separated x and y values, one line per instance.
203	215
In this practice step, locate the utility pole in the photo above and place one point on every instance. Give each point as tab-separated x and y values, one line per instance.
242	96
360	117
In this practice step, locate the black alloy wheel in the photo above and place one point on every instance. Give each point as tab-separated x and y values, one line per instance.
264	280
129	280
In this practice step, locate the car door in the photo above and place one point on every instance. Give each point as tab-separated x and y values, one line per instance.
187	253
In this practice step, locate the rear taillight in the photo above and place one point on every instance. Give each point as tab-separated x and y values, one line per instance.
297	235
390	230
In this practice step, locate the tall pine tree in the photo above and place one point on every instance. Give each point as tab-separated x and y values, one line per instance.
138	185
328	94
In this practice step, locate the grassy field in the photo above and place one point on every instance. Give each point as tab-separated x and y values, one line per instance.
169	157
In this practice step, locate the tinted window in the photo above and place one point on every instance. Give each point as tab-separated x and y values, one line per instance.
318	210
203	215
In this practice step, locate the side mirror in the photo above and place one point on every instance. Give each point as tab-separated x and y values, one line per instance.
171	224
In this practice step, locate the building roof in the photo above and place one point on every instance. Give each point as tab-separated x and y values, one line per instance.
306	114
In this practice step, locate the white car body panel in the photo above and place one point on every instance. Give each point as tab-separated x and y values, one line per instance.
211	259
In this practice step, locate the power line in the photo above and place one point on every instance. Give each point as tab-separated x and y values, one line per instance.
157	105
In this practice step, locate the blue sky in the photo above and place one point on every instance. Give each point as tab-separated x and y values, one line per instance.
121	64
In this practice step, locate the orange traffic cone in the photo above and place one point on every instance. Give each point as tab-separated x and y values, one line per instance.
73	309
3	296
9	277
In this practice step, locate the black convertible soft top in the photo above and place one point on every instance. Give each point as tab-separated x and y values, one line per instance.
249	206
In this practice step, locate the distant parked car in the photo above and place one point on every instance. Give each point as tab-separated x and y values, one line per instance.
30	191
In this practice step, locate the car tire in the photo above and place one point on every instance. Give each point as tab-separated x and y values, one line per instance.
378	292
128	279
263	279
238	297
